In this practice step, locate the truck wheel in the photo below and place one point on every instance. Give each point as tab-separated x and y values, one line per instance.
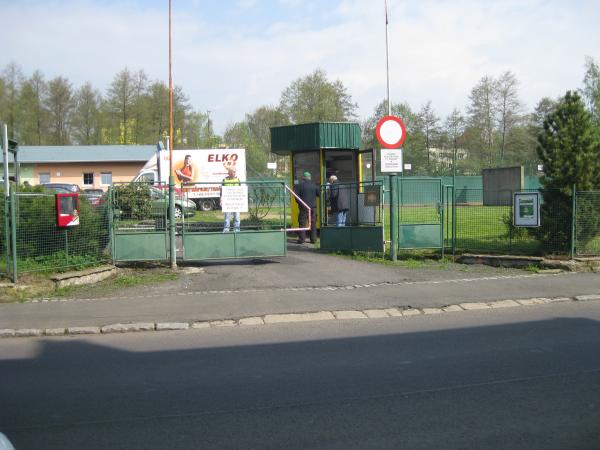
178	212
205	204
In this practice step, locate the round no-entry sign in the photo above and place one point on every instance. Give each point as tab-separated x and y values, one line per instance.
390	132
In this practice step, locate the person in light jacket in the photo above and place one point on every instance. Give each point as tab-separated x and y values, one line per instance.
339	199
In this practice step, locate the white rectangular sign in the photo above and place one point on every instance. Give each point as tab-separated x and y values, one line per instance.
526	209
391	160
234	198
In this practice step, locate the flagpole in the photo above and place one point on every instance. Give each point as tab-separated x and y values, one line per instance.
387	59
172	236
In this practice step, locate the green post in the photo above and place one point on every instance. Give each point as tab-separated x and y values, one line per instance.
393	219
67	245
7	231
454	203
13	231
172	224
573	220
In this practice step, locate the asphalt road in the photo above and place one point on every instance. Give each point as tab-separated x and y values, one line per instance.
518	378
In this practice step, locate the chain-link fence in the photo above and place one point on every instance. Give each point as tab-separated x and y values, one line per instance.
41	245
587	225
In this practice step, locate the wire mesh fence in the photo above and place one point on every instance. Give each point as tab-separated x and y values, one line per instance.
41	245
488	225
142	207
587	225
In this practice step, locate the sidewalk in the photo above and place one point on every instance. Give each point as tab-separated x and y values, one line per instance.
304	281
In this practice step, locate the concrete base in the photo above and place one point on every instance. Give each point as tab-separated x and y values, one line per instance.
87	276
569	265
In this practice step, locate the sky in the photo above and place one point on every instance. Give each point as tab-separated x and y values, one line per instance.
233	56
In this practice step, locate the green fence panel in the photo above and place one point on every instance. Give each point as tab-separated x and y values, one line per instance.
587	228
148	246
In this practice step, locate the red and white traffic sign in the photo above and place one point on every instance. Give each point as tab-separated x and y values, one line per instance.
391	132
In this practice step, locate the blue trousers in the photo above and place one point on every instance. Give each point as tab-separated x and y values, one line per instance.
236	222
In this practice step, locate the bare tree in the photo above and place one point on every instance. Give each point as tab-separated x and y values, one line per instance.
120	103
429	124
9	102
508	106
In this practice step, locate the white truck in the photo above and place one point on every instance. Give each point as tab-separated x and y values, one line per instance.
195	171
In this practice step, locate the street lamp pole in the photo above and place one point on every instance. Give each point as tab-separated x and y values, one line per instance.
172	246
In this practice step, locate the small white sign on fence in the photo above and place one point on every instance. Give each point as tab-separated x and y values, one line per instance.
526	209
234	198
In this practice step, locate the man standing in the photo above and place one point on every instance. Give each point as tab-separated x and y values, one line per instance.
339	199
308	193
231	180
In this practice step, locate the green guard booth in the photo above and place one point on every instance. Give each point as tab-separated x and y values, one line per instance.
334	148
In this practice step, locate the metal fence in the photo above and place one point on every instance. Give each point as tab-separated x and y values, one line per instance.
587	225
40	245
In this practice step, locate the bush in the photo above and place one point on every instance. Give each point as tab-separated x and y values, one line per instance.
133	200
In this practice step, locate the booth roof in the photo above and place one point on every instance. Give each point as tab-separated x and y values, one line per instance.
314	136
84	153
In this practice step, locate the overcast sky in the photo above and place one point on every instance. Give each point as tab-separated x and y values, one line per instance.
233	56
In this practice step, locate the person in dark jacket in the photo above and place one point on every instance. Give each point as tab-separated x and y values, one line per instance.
308	193
339	199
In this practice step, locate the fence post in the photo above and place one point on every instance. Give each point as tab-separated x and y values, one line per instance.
13	232
573	220
393	219
172	224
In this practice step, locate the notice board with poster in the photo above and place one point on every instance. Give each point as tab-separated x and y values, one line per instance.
526	209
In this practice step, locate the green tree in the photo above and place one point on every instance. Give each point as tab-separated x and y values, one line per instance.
454	128
9	102
260	123
86	121
119	106
59	104
314	98
482	113
428	122
33	114
569	149
239	135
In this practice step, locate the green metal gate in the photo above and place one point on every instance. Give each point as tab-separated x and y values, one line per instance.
138	222
420	213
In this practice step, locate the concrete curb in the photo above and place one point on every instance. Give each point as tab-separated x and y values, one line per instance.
309	316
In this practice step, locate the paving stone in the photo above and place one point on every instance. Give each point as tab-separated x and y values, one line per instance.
344	315
252	321
199	325
7	332
222	323
375	313
430	311
298	317
127	327
475	305
557	300
452	308
587	298
394	312
532	301
25	332
83	330
168	326
55	331
411	312
504	304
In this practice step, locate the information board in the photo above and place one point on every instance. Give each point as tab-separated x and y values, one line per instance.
234	198
526	209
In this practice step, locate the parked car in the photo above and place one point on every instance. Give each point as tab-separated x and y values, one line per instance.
61	188
160	201
96	197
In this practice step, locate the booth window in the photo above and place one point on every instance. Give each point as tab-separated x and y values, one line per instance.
88	179
106	178
44	177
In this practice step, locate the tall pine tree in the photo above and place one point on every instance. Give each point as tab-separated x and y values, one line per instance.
569	149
